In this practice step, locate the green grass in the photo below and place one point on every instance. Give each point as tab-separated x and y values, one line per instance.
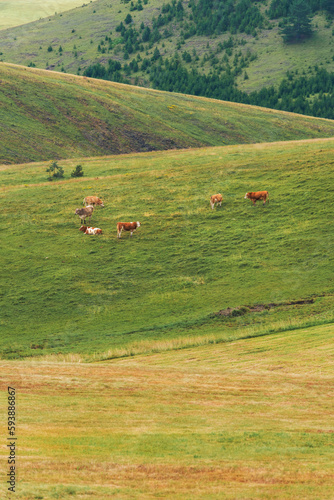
274	58
47	116
73	30
98	297
244	419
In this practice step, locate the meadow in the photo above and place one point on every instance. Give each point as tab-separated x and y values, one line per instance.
275	58
68	294
193	360
246	419
18	12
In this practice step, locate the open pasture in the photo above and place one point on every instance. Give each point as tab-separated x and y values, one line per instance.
246	419
18	12
67	293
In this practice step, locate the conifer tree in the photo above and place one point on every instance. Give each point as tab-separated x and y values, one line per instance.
298	23
328	5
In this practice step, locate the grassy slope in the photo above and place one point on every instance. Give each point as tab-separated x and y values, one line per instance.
18	12
248	419
65	292
81	30
78	27
274	58
46	116
50	115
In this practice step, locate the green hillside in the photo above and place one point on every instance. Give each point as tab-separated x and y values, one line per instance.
46	115
248	53
191	361
65	292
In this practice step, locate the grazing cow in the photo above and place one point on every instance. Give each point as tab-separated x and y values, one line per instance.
84	212
93	200
257	195
90	230
216	198
127	226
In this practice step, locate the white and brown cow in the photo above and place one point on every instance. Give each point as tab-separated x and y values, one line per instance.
90	230
127	226
216	198
255	196
94	201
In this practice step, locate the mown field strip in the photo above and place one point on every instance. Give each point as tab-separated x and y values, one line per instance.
18	12
251	419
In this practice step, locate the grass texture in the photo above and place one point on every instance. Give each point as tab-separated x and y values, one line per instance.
19	12
98	297
48	116
247	419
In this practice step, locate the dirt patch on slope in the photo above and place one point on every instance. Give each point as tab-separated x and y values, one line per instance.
241	310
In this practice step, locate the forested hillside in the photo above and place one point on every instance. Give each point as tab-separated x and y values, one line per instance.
277	53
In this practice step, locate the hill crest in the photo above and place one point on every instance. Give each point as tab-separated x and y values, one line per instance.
47	115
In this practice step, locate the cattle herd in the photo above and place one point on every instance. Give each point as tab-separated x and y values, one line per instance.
91	202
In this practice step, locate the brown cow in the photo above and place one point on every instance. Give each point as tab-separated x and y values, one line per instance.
127	226
90	230
257	195
216	198
93	200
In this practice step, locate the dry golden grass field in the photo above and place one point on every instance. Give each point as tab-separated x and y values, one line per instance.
249	419
18	12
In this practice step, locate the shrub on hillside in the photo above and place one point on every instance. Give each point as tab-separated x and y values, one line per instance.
55	171
78	172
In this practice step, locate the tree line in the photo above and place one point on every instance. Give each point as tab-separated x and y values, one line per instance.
280	8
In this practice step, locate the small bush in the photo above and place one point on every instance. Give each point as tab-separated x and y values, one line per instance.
78	172
55	171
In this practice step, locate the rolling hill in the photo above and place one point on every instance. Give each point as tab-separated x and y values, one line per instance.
193	359
47	116
173	282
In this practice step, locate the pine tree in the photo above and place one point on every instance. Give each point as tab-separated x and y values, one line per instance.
55	171
328	5
298	23
78	172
